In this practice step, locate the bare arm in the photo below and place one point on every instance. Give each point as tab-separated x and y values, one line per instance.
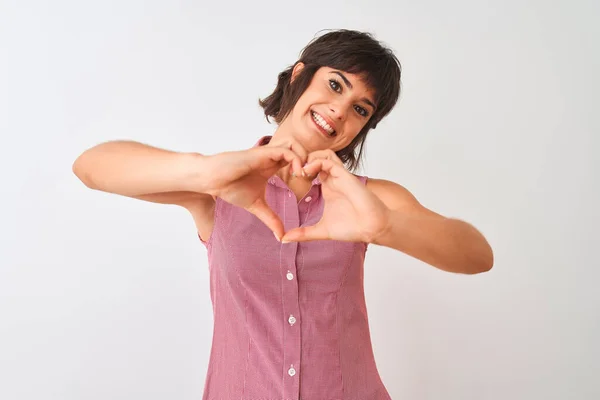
191	180
447	243
145	172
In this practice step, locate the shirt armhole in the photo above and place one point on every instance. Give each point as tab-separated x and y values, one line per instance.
209	242
364	180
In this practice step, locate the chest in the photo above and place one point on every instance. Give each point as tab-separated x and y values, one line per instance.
246	250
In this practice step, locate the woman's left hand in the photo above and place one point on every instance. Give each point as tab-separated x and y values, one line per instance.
351	213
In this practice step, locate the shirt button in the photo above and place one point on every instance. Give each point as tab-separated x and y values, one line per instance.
292	320
308	199
290	276
291	371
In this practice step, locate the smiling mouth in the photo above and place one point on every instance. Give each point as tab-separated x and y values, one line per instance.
323	124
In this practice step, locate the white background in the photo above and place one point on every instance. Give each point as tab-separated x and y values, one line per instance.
105	297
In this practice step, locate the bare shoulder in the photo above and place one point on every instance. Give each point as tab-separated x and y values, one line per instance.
391	193
396	196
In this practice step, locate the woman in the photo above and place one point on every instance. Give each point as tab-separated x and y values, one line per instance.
286	225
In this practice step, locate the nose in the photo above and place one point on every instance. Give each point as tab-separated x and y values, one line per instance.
339	110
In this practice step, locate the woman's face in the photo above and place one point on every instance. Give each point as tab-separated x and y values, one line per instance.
331	111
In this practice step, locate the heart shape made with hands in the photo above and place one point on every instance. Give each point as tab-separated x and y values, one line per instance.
351	212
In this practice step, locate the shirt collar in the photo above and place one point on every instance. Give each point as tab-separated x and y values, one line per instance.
275	180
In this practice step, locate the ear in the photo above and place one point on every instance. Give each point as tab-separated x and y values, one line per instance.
297	68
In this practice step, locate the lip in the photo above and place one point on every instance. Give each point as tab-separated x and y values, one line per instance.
328	120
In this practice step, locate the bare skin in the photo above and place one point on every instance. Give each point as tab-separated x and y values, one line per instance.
295	138
326	118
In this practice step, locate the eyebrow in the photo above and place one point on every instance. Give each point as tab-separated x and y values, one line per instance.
347	82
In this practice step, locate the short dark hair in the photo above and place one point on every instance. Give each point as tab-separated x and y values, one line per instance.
346	50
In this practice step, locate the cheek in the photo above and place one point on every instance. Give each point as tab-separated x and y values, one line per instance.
302	106
297	111
355	125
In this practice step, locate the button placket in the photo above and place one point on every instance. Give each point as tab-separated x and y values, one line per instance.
292	333
305	205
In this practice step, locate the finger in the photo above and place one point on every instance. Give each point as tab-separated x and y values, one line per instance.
294	146
300	151
302	157
304	234
313	167
280	154
326	154
327	168
325	165
296	167
333	168
263	212
286	156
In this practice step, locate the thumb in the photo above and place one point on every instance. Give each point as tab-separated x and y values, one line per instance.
262	211
305	233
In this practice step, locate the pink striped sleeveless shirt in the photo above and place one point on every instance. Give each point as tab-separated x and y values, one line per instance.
290	320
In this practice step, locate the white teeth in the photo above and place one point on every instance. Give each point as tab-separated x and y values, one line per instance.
321	122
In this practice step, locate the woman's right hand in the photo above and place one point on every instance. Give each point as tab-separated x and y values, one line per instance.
240	178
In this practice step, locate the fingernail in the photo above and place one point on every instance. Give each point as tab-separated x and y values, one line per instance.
276	237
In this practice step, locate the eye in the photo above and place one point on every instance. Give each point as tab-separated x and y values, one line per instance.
335	85
361	111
